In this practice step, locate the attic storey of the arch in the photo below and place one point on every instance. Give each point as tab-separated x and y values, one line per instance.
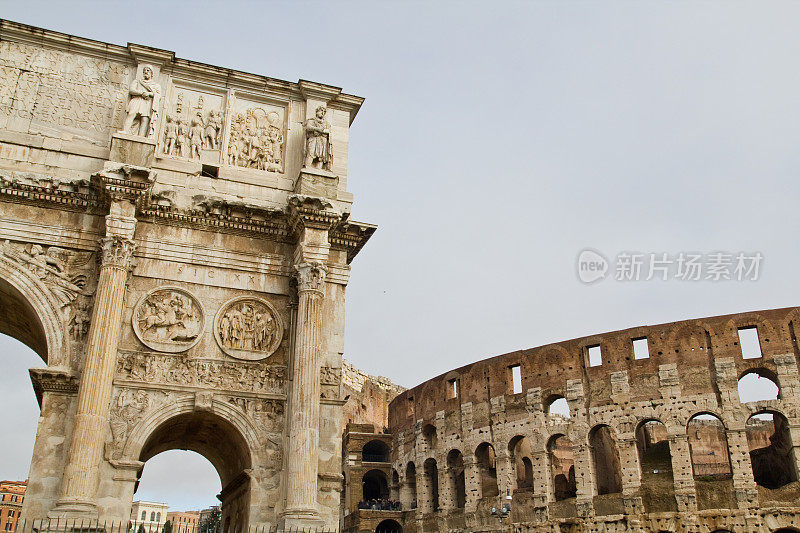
175	243
667	442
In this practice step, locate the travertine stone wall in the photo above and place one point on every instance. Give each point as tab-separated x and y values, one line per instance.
507	438
227	189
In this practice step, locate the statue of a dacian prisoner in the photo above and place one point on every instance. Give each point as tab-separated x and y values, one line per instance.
145	94
319	151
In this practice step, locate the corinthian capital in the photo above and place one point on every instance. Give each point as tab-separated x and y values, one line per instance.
311	277
118	252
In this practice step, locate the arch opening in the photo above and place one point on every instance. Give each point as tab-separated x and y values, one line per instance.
19	319
375	485
432	484
605	459
770	444
758	385
487	465
655	461
558	406
389	526
375	451
519	449
455	465
429	436
708	447
409	489
562	467
221	443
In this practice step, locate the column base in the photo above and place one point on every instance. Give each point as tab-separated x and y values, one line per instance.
301	518
74	508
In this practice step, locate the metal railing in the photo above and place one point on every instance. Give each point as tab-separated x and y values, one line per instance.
61	525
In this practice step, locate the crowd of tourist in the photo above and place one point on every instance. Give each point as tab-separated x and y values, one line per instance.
380	504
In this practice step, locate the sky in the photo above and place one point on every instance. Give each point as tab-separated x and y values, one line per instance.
499	140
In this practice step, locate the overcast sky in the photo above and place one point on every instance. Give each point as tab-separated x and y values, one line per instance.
497	141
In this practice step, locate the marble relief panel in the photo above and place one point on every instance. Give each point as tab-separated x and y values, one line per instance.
194	123
258	136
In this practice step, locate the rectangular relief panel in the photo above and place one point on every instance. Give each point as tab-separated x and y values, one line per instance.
193	126
257	140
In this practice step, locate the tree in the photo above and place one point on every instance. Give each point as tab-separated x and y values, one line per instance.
141	529
211	523
167	527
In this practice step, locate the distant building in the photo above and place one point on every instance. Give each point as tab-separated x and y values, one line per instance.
184	522
12	493
150	515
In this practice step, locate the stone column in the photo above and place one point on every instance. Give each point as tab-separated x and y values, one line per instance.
447	492
682	472
303	450
505	475
81	476
744	484
472	482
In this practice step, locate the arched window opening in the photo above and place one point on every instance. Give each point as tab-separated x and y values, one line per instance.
455	465
389	526
708	446
605	459
429	436
375	451
558	406
487	465
375	486
770	445
758	385
519	450
410	487
562	467
432	482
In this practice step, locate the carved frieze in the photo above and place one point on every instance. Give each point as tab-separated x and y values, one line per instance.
258	136
194	125
168	319
127	408
330	375
220	375
66	273
267	414
248	328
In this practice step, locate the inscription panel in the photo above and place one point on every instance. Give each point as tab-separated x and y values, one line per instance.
59	94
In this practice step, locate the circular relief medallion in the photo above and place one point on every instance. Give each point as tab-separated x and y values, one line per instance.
168	319
248	328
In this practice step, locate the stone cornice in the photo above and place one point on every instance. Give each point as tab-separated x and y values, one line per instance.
352	236
212	214
50	380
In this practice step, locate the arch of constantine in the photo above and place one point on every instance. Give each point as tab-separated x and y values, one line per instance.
175	242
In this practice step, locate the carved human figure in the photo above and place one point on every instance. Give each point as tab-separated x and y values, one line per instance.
79	323
142	107
127	415
319	152
276	142
212	125
170	136
196	138
182	141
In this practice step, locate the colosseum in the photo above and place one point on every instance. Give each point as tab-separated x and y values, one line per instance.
639	430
